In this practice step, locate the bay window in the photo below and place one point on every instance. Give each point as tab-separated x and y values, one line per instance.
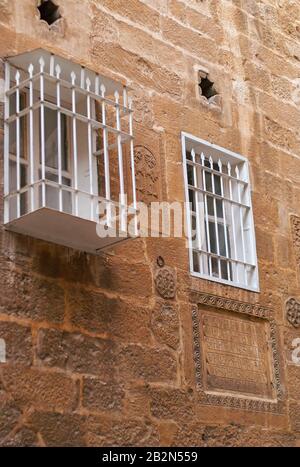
68	147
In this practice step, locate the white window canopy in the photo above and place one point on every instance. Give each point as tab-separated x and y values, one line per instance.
220	218
68	153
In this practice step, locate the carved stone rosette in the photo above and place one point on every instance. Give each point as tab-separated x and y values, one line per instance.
293	312
165	282
202	301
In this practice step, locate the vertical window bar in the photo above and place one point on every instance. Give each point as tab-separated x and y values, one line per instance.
75	155
197	194
211	162
206	213
188	203
241	221
120	159
6	145
31	143
132	165
59	138
90	146
18	143
220	165
232	220
43	154
106	159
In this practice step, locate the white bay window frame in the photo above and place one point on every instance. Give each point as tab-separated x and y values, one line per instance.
72	92
221	235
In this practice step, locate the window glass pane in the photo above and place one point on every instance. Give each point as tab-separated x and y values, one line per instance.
13	137
196	258
210	206
222	243
218	190
208	181
190	175
12	104
51	140
219	204
224	270
192	200
212	237
215	267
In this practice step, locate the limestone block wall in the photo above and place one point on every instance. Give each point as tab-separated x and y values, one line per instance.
103	350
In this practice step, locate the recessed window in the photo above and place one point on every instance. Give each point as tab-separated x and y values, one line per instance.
49	11
206	87
220	220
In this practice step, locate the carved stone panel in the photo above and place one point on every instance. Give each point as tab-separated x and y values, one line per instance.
293	312
235	354
147	174
149	169
165	324
295	221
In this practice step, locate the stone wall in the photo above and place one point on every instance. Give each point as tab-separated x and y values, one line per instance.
111	350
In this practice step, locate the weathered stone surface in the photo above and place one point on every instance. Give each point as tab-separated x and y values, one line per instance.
294	412
10	413
59	430
76	352
23	438
173	404
31	297
165	324
40	389
135	11
101	396
18	343
98	313
147	363
293	380
121	432
230	436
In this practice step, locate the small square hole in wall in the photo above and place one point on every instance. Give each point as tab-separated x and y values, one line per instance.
207	88
49	11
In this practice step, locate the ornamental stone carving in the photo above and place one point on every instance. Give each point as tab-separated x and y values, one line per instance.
165	282
202	305
165	325
147	176
295	221
293	312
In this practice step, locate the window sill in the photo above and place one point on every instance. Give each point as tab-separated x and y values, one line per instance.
225	282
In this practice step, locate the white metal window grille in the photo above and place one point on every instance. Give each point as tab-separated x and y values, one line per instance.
219	214
68	147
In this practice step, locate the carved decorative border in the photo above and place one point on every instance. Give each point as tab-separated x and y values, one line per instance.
295	224
245	403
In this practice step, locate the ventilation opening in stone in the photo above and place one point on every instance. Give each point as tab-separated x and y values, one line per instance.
49	11
206	87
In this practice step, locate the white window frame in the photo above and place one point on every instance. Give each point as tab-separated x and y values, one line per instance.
33	73
241	259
